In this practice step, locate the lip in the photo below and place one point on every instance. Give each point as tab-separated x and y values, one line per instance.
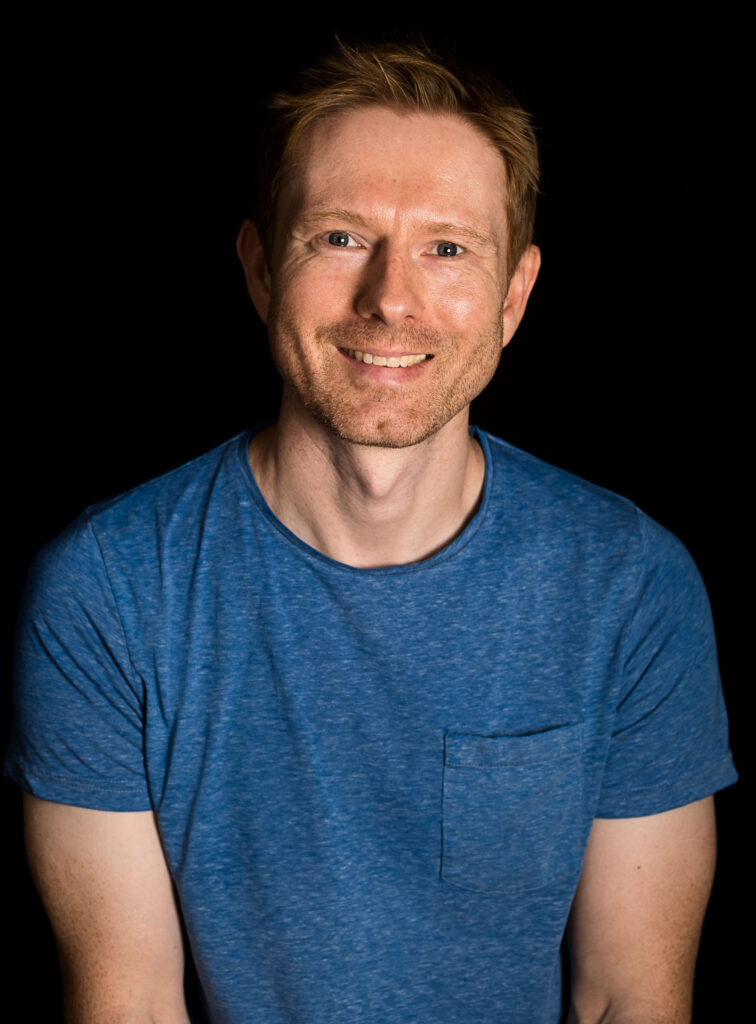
387	353
385	374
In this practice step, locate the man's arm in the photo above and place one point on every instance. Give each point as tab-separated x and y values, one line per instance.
636	919
106	888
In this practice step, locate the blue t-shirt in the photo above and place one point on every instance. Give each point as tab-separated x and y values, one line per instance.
374	786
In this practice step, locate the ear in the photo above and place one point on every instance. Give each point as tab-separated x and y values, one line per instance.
520	288
250	251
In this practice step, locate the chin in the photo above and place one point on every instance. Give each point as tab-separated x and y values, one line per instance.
382	441
380	432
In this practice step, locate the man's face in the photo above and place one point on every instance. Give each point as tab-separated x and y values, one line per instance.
390	245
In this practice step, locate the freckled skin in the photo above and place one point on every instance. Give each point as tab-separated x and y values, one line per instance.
374	414
390	288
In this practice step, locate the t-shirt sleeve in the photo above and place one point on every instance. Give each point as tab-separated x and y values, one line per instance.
669	743
78	706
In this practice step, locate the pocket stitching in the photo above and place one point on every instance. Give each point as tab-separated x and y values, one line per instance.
570	747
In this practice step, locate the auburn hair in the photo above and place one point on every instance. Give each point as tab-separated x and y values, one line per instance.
403	77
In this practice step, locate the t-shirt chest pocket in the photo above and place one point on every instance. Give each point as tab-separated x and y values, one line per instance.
512	811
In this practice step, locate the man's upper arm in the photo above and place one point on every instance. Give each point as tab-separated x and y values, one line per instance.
636	919
105	885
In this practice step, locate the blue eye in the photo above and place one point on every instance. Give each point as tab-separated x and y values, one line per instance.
340	238
447	249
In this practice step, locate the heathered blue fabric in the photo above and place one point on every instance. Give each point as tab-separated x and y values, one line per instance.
374	786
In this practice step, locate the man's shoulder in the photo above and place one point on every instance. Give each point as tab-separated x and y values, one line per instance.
170	505
169	493
561	508
533	480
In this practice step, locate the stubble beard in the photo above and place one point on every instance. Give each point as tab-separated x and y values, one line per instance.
364	413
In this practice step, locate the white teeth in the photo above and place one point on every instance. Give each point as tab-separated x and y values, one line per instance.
366	357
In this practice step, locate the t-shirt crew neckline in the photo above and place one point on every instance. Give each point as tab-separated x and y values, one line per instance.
459	542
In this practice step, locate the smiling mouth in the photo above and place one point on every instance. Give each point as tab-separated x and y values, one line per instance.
391	361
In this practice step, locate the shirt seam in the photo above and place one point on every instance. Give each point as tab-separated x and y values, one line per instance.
639	561
71	783
134	680
709	777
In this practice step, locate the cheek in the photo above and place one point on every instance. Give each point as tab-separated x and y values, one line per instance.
311	289
464	304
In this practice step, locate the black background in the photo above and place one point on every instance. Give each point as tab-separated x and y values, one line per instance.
134	346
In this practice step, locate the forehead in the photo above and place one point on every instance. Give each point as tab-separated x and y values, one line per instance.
397	163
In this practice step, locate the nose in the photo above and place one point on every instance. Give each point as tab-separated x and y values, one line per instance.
389	289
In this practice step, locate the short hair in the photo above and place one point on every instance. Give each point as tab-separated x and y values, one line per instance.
402	77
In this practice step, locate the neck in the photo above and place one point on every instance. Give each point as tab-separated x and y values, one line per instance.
365	506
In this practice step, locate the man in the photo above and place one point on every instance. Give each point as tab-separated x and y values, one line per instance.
386	703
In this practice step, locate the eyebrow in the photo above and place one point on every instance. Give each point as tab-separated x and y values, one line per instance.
317	215
443	228
440	228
